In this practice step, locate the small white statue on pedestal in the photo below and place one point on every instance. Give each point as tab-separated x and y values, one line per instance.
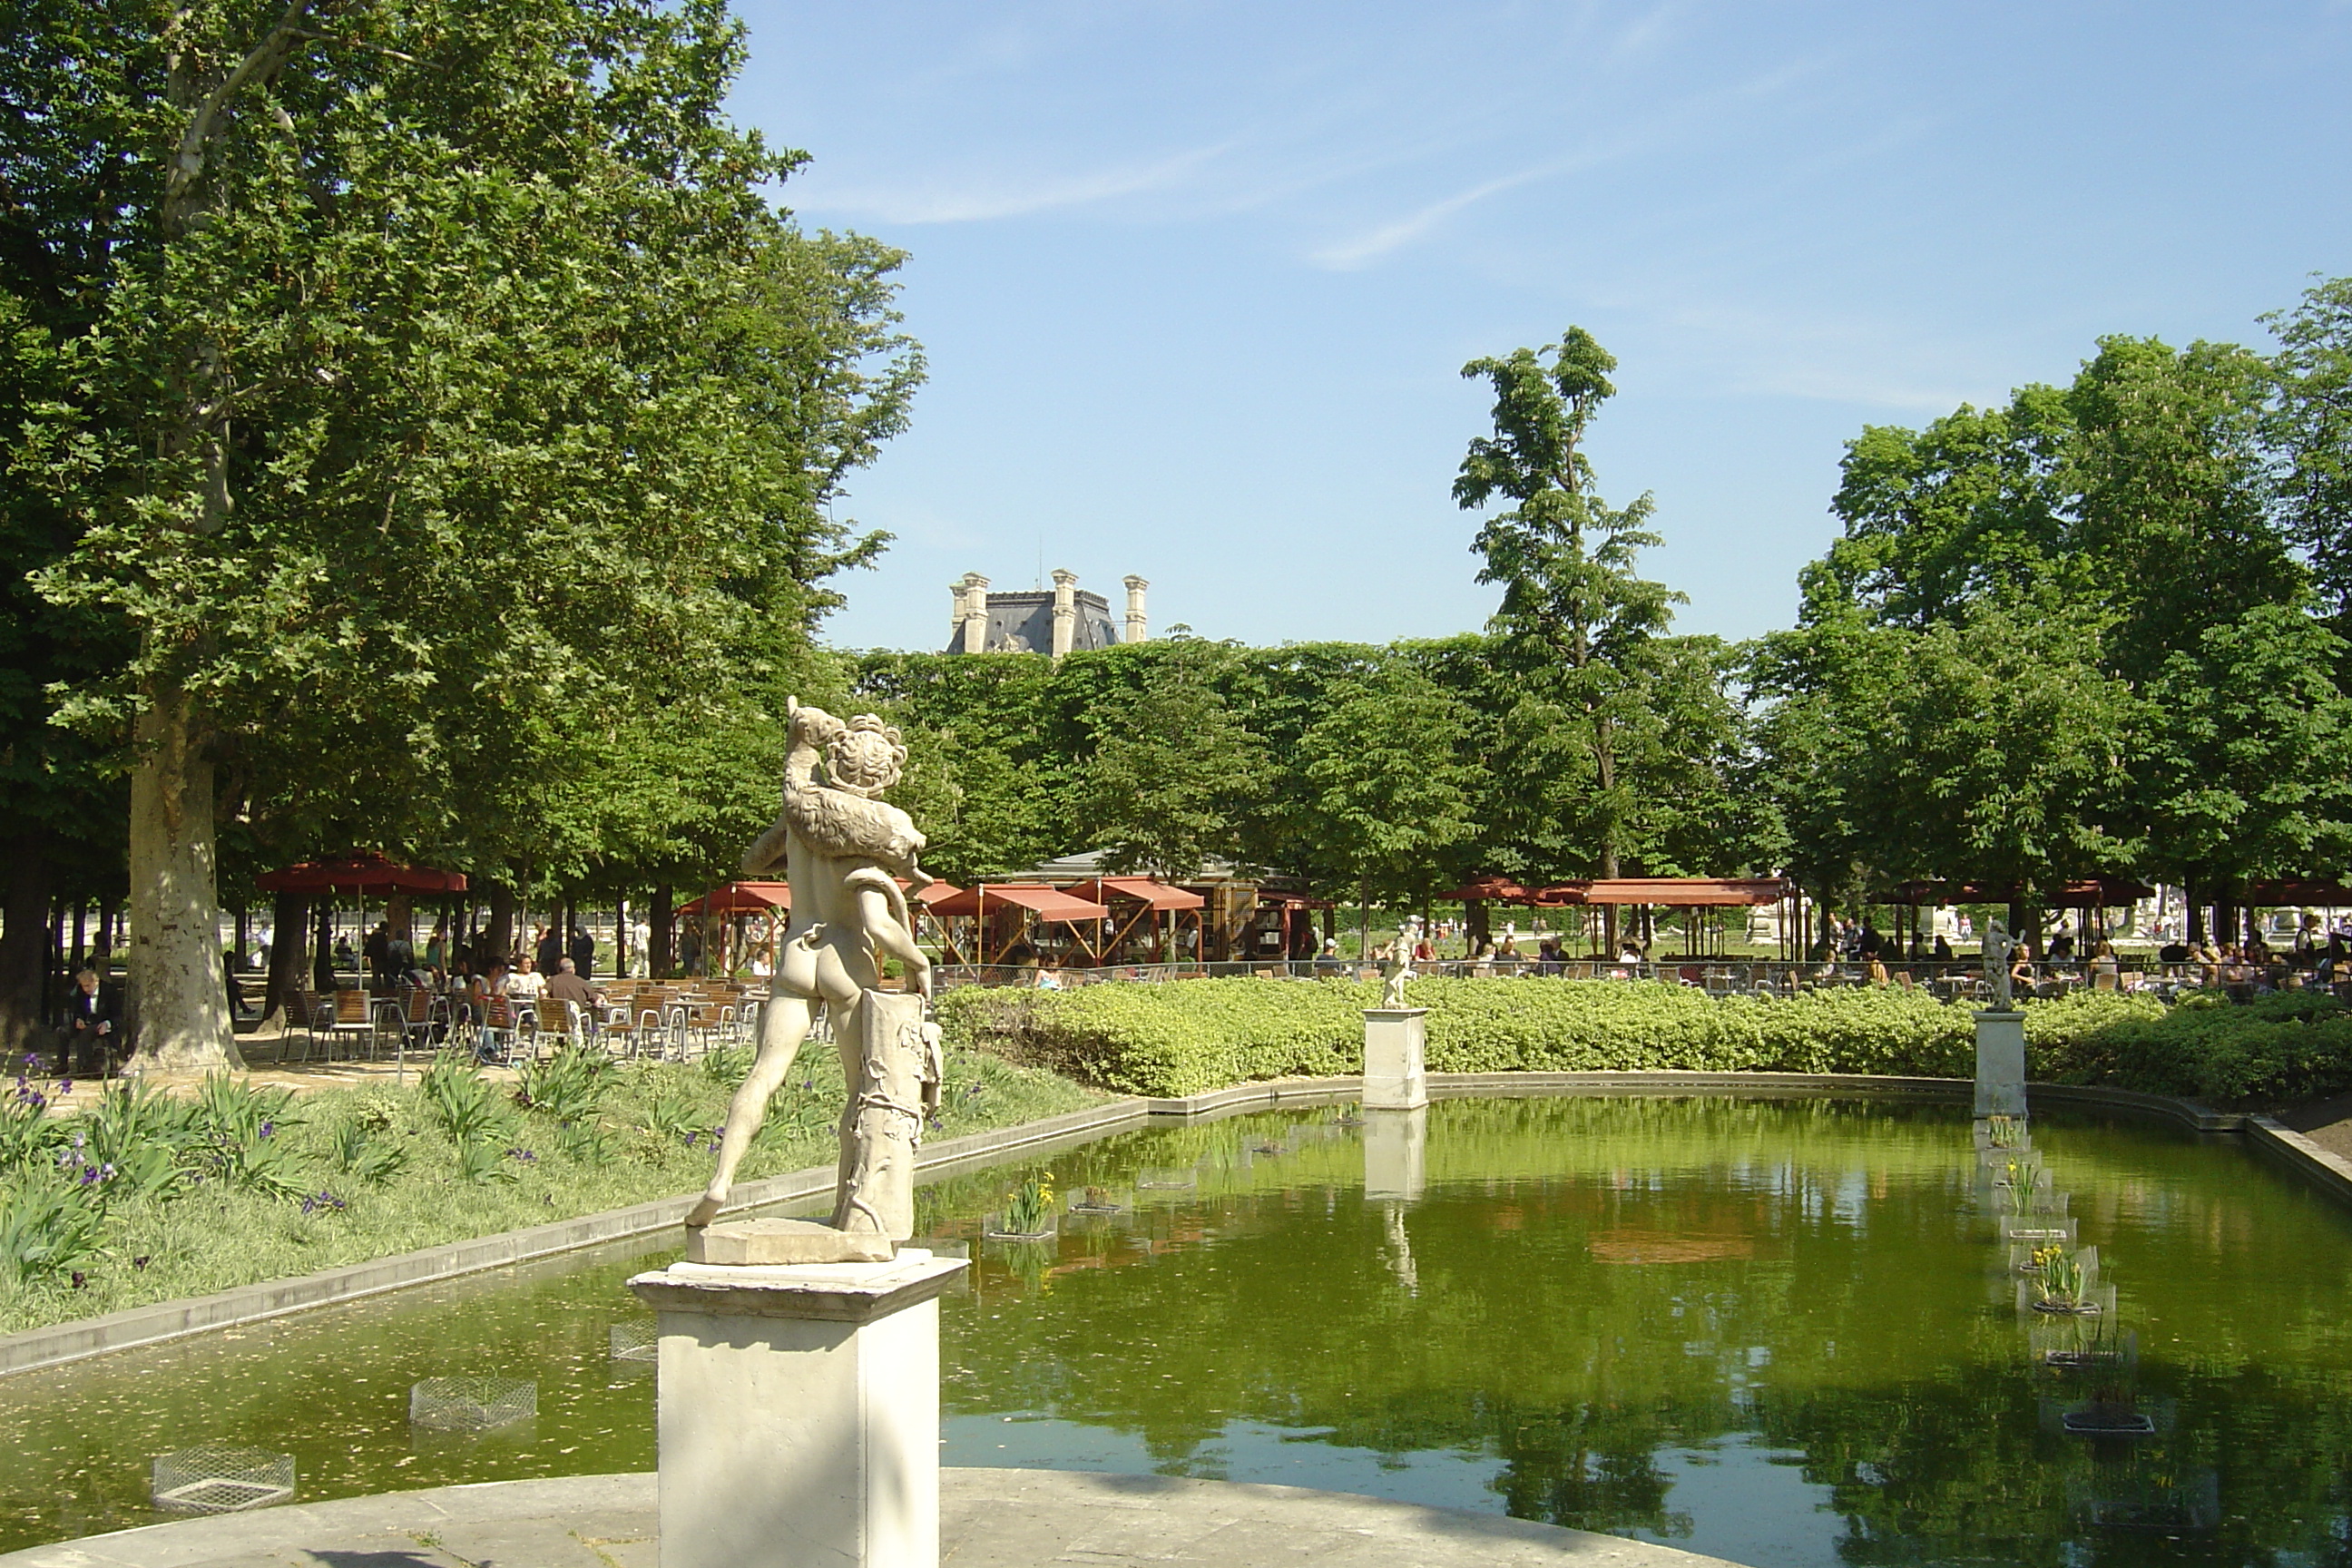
1998	948
1393	987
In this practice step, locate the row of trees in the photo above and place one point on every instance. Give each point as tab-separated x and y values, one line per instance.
421	426
2101	629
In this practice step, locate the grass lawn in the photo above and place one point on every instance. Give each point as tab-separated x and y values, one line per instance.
145	1198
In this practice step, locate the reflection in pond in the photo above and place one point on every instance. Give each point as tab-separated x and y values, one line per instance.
1781	1331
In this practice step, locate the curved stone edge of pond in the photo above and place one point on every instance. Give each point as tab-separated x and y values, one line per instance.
988	1519
32	1349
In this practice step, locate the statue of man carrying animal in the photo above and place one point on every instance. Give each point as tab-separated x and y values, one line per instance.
847	852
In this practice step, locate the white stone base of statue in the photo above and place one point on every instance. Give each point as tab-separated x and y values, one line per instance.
799	1412
1396	1145
1395	1040
2001	1063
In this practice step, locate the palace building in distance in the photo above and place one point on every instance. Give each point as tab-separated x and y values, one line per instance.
1056	621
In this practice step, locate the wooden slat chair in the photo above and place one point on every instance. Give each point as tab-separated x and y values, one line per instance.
347	1015
555	1024
420	1012
494	1036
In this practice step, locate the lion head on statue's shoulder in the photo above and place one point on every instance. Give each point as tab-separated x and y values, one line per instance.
865	756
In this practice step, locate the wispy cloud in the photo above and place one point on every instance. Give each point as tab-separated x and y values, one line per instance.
1674	124
1368	247
1830	356
986	198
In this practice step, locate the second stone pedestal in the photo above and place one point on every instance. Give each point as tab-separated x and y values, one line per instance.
1395	1040
799	1413
1396	1154
2001	1063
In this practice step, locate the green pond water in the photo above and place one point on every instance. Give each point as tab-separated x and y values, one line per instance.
1776	1330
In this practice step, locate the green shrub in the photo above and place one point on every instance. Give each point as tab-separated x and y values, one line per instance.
570	1085
142	1137
27	1131
234	1130
462	1101
1196	1035
48	1227
369	1156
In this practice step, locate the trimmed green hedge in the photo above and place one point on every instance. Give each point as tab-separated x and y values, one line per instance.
1186	1037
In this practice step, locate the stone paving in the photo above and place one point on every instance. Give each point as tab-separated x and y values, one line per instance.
988	1519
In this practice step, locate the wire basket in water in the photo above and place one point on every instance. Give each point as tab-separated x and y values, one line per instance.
636	1339
472	1404
214	1479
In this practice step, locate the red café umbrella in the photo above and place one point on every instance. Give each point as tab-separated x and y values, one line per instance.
360	874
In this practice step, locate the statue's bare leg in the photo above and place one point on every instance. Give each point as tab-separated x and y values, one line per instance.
784	1022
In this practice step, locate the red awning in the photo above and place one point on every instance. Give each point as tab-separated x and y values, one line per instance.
1674	892
740	899
1269	900
2089	893
1485	888
359	874
751	898
1138	890
2274	892
1044	902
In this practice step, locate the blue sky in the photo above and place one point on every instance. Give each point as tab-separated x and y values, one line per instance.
1196	281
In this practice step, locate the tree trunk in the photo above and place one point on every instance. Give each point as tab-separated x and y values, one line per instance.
1364	921
661	949
178	1009
1604	770
289	930
322	953
24	947
502	919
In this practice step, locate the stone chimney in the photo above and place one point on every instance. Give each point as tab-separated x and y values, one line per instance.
974	613
1137	629
1065	610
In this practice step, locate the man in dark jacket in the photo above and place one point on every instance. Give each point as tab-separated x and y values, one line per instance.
88	1031
548	953
583	951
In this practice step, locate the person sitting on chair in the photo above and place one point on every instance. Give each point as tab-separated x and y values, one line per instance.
85	1041
565	985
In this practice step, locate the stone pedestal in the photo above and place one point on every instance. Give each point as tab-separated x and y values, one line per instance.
1395	1040
2001	1063
1396	1145
799	1413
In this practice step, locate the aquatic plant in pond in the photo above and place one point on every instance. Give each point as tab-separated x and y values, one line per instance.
1028	1213
2063	1280
2000	1132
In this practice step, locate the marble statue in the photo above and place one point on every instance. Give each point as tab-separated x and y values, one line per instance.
1999	947
845	851
1393	989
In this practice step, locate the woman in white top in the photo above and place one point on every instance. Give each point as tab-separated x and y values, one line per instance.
525	983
